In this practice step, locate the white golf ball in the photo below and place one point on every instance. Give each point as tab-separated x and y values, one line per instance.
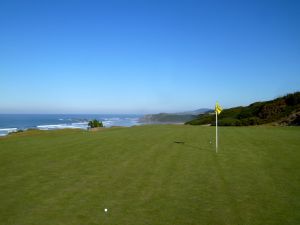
105	210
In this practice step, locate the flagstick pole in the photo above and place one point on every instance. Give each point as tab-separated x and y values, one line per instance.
216	132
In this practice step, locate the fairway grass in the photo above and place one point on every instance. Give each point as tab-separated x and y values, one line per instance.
146	176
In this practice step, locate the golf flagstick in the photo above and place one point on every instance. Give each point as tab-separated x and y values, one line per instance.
216	132
218	110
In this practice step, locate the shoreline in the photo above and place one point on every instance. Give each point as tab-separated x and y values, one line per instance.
11	123
11	131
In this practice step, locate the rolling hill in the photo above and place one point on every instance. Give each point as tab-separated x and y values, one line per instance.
179	117
280	111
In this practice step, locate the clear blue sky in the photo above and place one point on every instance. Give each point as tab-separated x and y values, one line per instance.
145	56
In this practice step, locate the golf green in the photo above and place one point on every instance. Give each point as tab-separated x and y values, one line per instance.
158	174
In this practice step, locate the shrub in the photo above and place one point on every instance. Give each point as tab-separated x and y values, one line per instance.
255	114
293	99
271	111
229	122
95	123
296	121
250	121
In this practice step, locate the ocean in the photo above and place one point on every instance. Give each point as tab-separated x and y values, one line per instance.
14	122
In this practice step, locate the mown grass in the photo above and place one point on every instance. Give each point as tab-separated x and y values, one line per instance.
143	177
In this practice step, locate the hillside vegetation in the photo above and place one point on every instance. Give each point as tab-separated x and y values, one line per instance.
284	111
166	118
152	175
179	117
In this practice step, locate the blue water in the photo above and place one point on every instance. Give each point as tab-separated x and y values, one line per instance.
14	122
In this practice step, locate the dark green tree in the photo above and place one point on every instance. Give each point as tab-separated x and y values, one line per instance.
95	123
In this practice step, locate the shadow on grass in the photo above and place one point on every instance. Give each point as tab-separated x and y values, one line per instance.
188	145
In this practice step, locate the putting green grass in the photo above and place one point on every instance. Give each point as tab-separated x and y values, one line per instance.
143	177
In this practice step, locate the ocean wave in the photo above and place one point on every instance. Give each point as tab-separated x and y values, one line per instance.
80	123
107	123
63	126
6	131
61	122
112	119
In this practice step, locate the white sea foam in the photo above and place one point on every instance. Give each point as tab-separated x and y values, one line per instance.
107	123
6	131
82	125
112	119
9	129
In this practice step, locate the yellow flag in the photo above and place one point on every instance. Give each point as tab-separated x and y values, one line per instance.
218	108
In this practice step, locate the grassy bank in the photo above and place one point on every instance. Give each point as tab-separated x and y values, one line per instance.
144	177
